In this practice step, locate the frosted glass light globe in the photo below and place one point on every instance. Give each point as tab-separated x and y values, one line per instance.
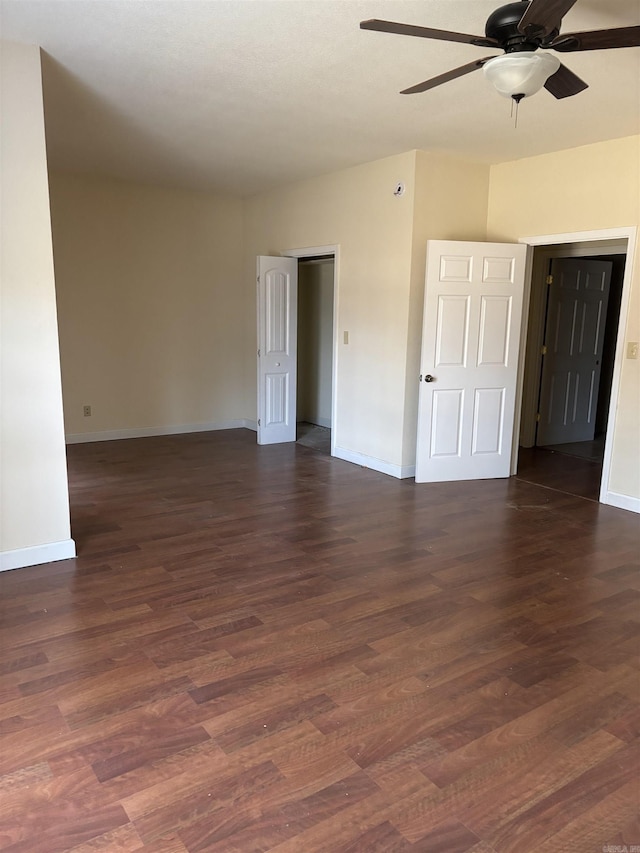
522	73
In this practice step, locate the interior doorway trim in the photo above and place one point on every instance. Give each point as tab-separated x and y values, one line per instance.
630	235
314	252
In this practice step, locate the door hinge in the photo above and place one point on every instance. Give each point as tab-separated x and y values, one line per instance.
543	351
258	421
258	279
549	279
258	353
538	418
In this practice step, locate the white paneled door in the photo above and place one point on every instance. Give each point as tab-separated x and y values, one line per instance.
469	362
277	349
573	344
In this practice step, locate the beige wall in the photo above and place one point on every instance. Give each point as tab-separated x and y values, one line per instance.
151	305
34	496
156	331
357	210
451	198
583	189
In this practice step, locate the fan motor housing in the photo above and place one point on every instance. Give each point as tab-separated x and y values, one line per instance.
502	25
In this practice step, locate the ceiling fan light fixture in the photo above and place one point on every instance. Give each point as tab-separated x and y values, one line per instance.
520	74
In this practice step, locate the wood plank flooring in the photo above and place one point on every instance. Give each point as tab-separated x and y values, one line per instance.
556	470
267	649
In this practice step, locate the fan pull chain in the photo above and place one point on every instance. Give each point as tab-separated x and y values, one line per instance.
515	99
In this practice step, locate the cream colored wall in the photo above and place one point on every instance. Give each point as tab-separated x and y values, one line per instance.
156	331
151	306
355	209
451	197
583	189
34	493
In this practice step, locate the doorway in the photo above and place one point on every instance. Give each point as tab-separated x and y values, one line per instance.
566	450
314	397
279	347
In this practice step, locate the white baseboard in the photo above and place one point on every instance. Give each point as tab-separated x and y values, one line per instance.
621	501
37	554
399	471
148	432
407	471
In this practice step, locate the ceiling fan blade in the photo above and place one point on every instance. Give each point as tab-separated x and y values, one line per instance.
565	83
448	75
425	32
544	16
597	40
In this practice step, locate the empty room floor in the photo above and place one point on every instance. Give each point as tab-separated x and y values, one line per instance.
268	649
564	472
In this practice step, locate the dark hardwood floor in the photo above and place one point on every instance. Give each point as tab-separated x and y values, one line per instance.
560	471
267	649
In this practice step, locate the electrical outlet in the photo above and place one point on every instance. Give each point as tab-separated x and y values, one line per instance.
86	411
632	349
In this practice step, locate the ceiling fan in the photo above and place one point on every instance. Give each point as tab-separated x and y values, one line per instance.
520	29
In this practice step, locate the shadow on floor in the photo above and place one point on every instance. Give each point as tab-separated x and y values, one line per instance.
593	450
564	472
314	436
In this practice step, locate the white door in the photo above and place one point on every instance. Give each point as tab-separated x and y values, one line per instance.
470	344
277	341
572	354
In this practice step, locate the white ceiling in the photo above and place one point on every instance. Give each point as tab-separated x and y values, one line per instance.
241	95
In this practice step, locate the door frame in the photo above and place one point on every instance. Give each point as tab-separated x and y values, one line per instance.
312	252
629	234
537	316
